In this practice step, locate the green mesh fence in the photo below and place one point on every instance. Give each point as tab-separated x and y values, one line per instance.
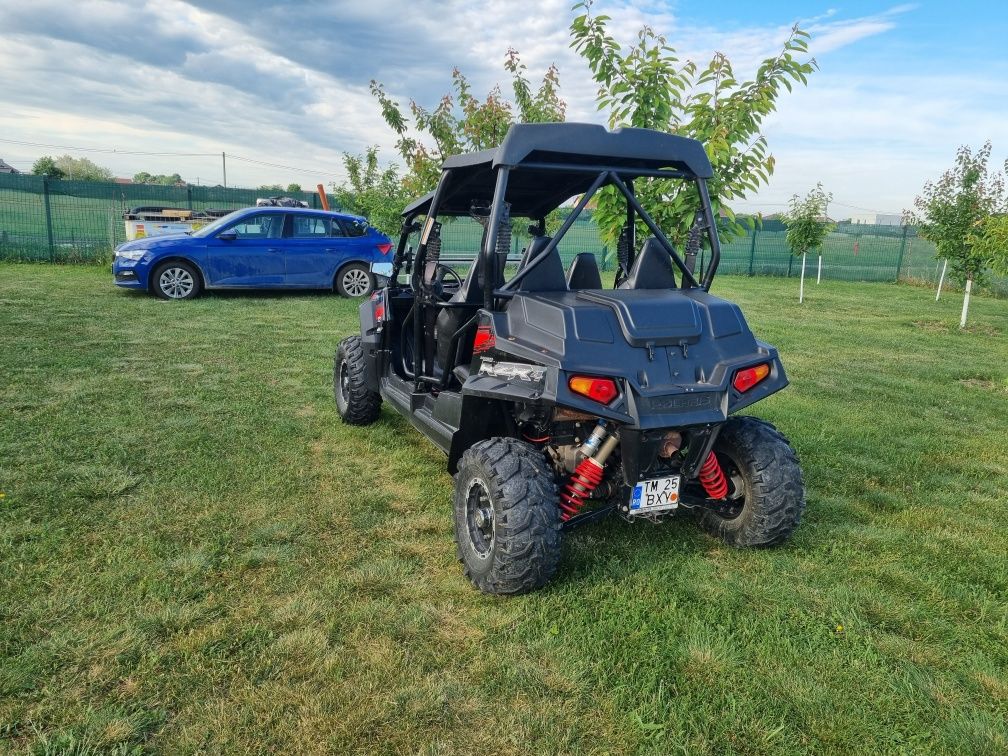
82	221
77	221
461	238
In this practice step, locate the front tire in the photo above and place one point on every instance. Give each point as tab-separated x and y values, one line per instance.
355	281
768	482
357	404
176	280
507	517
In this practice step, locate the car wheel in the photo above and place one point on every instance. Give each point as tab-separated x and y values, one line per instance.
356	403
176	280
355	280
507	519
769	492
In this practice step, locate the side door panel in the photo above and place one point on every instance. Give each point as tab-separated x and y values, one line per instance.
312	250
255	258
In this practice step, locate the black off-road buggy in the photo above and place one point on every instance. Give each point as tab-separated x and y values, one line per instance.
557	399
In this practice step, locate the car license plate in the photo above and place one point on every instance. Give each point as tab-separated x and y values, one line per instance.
655	495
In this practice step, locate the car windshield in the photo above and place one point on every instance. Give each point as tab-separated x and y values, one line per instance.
211	228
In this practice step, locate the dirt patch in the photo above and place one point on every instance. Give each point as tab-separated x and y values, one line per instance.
932	326
984	383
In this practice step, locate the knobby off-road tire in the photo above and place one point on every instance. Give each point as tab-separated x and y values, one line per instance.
357	404
774	488
507	519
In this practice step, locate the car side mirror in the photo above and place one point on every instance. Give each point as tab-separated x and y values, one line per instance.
227	236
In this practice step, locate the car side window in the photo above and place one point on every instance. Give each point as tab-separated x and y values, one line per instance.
309	227
354	227
260	226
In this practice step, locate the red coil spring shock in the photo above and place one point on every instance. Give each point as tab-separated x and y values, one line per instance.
713	478
582	482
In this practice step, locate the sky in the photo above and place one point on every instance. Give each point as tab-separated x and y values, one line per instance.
282	88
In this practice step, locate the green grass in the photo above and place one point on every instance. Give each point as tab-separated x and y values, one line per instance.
195	555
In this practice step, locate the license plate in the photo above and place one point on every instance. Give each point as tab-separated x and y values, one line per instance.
655	495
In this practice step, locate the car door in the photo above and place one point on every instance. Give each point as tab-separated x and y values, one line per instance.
312	244
248	252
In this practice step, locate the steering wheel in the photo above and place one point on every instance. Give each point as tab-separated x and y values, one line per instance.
441	271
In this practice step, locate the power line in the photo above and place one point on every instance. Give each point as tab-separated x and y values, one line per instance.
115	151
314	171
108	150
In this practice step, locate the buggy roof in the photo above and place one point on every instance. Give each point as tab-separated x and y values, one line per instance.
534	190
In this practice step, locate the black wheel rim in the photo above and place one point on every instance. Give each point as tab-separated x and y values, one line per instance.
738	488
480	518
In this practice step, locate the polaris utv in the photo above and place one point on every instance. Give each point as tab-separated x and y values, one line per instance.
559	400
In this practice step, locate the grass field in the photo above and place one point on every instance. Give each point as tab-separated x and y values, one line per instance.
196	556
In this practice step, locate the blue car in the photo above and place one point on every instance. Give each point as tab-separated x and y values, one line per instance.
259	248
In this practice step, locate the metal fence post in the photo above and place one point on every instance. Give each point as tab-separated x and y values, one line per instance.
899	263
48	218
189	196
752	249
790	262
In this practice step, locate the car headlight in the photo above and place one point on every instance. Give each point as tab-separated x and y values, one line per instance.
130	254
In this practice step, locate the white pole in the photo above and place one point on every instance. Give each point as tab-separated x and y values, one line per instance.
818	276
801	288
942	279
969	288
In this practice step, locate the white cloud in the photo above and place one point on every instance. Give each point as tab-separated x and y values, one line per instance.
291	86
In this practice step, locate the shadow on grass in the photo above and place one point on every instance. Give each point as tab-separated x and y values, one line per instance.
253	294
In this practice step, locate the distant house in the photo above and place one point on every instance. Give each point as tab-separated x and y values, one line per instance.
888	219
119	180
4	168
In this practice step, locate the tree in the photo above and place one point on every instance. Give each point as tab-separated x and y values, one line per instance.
378	195
991	243
293	188
74	168
276	188
46	166
648	86
159	179
955	214
462	123
807	226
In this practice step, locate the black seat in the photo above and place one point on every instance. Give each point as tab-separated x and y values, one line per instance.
450	319
547	275
653	268
584	273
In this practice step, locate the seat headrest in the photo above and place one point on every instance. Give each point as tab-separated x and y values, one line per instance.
653	268
547	275
584	273
536	245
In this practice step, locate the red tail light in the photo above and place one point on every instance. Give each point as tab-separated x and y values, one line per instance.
747	378
384	247
484	341
598	389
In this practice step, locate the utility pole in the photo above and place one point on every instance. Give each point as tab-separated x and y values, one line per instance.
223	158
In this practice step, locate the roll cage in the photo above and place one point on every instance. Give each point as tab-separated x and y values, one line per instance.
535	170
